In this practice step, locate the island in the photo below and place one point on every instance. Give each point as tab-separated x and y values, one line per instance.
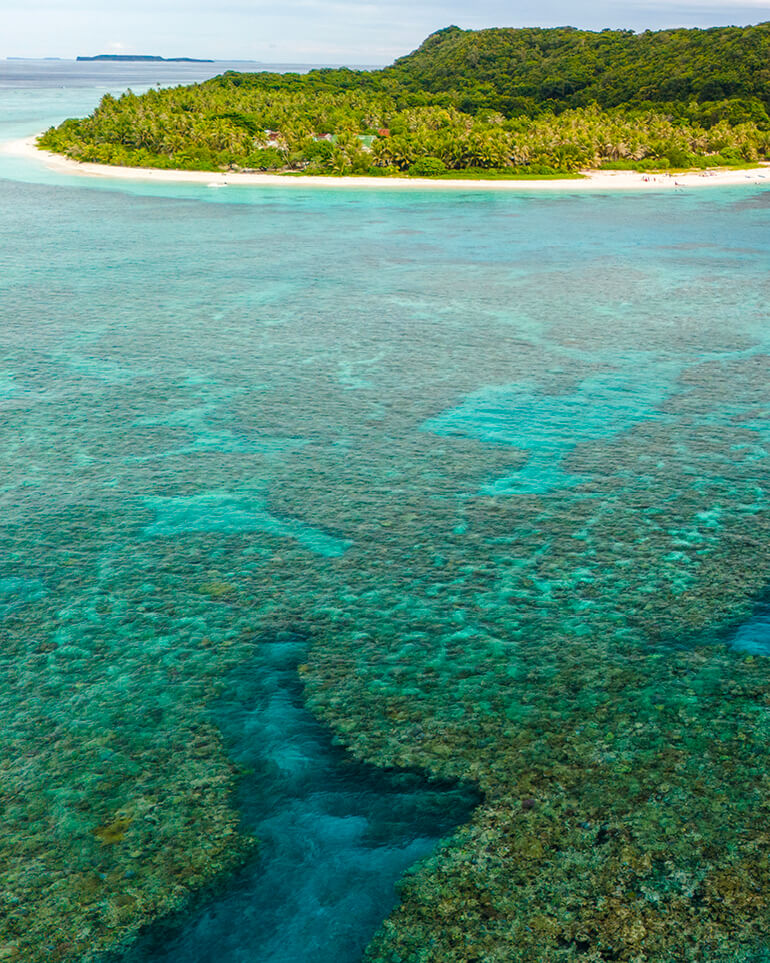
494	104
139	57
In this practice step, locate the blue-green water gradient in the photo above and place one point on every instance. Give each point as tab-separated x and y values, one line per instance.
207	393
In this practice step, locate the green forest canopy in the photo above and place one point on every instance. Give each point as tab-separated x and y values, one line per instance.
505	100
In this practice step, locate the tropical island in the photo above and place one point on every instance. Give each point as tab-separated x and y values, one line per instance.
144	57
492	103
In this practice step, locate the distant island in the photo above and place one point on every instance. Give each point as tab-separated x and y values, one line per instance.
135	57
493	103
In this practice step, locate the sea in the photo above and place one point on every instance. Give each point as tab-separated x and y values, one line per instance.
321	510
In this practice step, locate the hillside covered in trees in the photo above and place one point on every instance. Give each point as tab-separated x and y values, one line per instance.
502	100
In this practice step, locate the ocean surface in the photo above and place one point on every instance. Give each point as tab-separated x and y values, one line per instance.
443	467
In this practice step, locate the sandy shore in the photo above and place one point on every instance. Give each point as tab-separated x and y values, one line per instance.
593	181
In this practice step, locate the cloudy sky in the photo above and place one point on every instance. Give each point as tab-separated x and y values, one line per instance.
316	31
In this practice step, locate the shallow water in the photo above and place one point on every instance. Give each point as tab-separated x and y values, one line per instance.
501	459
753	636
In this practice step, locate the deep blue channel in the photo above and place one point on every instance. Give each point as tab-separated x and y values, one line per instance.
335	835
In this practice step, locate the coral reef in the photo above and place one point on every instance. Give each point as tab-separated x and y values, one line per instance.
541	610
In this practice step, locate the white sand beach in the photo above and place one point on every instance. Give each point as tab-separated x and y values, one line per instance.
592	181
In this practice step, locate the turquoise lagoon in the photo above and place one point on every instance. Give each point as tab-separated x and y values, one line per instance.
425	452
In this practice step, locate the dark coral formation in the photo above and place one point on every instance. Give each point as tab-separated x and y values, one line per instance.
563	648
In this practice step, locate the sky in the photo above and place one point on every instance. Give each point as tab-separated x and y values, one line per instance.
356	32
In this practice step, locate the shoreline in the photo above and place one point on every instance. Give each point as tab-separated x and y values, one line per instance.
592	181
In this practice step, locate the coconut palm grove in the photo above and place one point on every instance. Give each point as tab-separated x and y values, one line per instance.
508	102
